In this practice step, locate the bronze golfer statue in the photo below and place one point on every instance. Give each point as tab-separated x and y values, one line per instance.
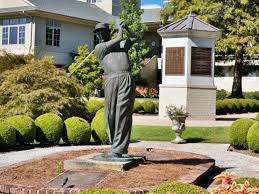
119	87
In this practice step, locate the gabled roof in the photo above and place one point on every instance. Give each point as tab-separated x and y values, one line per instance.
151	16
190	22
71	8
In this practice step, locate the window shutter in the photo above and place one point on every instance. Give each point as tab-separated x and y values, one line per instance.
201	61
174	61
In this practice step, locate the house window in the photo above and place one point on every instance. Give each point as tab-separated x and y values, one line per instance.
201	61
91	1
5	36
21	34
13	31
53	30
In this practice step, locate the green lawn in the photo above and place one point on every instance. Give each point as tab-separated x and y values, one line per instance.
191	134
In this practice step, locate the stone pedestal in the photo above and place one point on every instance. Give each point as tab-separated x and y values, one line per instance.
84	162
200	102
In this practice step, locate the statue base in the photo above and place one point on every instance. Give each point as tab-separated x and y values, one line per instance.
104	162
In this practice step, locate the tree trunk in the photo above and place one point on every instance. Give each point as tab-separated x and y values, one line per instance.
237	81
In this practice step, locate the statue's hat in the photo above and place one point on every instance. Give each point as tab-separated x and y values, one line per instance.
101	26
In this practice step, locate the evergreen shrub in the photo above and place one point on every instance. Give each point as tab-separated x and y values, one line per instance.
149	106
49	128
253	137
99	131
178	188
137	107
92	106
221	94
25	128
237	106
78	131
102	191
238	132
7	134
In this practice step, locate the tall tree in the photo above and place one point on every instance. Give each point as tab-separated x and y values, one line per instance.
237	18
131	16
90	73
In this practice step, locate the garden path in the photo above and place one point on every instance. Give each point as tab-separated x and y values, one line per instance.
242	165
221	121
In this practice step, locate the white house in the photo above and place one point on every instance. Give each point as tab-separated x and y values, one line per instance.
49	27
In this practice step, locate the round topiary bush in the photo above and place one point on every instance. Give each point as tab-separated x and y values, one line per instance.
93	106
178	188
137	107
25	128
257	117
98	128
149	106
78	131
238	132
7	134
49	128
253	137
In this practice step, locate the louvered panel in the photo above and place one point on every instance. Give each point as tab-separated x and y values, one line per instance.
174	61
201	61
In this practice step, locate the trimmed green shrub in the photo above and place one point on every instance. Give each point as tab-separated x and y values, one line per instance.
49	128
253	181
178	188
103	191
137	106
238	132
257	117
100	111
7	135
220	107
149	106
78	131
98	128
25	128
221	94
253	137
252	95
237	106
93	106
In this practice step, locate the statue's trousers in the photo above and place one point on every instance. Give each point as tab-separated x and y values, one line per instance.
119	102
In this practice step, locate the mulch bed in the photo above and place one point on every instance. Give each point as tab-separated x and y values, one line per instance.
246	152
39	172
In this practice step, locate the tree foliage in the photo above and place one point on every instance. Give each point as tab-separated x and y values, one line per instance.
90	73
39	87
238	20
131	16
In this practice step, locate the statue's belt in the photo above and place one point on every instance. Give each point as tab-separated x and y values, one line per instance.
115	74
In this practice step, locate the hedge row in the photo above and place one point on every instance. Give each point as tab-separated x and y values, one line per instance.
223	94
237	106
146	106
48	129
244	134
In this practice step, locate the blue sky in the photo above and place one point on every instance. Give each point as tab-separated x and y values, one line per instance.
151	3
